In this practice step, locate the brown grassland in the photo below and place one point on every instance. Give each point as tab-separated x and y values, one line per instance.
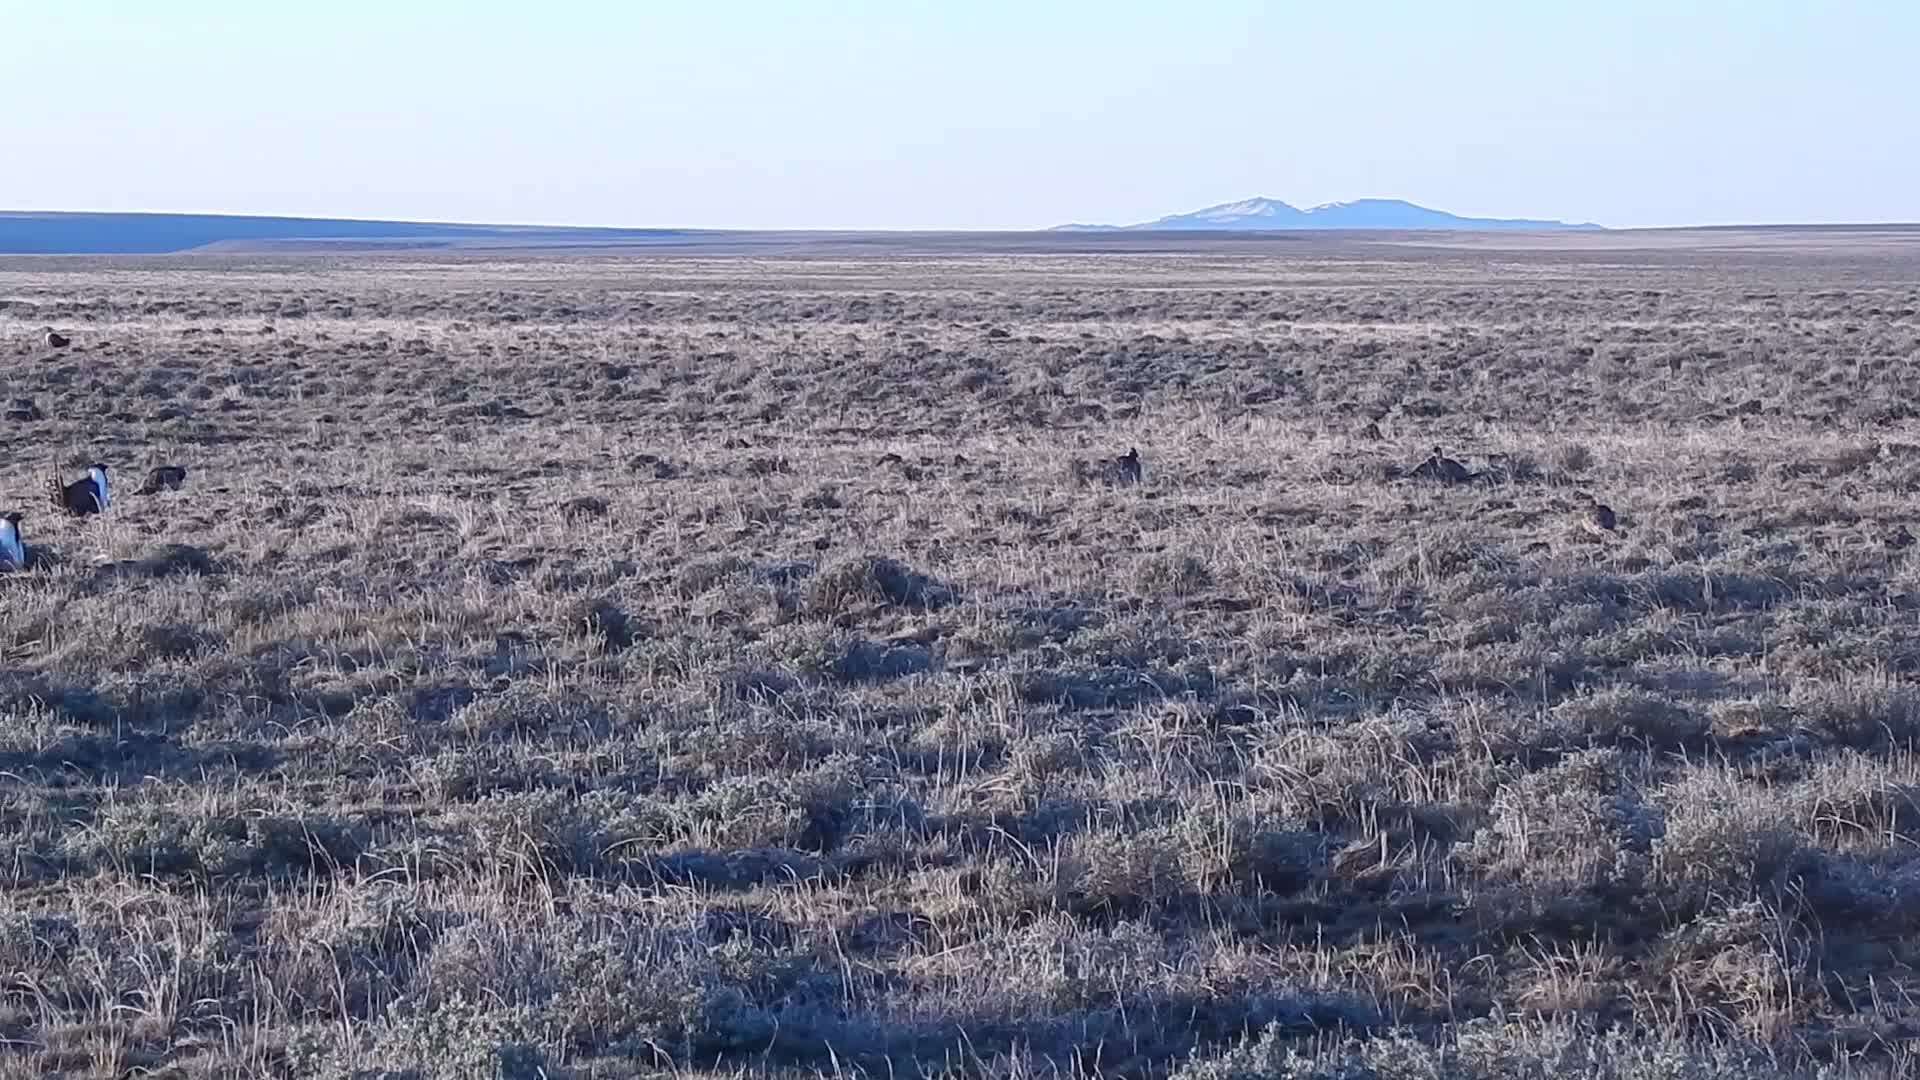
546	671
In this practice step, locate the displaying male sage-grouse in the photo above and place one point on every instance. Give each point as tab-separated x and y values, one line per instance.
163	478
57	340
87	495
13	553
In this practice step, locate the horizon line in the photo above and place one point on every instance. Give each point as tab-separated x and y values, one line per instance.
908	229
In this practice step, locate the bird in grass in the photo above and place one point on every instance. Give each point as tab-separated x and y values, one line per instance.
1598	519
163	478
57	340
899	464
13	553
85	496
1439	466
1119	471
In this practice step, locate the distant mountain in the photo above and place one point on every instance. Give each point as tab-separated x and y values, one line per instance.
52	233
34	232
1265	214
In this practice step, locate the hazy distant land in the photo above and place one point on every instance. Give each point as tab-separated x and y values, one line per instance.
101	234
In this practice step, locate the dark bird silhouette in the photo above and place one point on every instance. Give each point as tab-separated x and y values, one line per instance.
163	478
1899	539
57	340
13	553
899	464
583	506
1596	517
87	495
1110	471
1371	432
1442	468
1119	471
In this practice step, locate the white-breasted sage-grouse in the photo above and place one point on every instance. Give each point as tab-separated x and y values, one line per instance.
13	553
87	495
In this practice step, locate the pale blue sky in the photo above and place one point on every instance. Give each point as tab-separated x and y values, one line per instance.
985	113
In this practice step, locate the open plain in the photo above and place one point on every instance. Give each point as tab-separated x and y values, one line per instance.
593	665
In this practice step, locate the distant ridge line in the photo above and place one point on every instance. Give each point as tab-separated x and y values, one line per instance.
158	233
53	232
1263	214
